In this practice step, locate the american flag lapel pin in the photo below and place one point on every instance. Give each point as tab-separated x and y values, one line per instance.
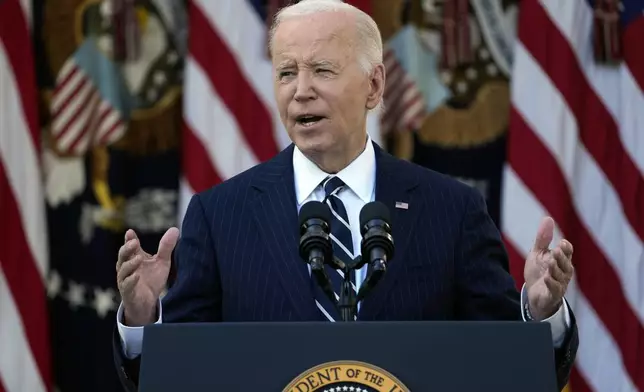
402	205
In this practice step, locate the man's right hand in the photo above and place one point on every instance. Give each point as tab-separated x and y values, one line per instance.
141	277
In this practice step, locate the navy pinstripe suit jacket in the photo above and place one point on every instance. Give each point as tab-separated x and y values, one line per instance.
237	259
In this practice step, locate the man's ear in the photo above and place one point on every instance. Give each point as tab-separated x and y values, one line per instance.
376	86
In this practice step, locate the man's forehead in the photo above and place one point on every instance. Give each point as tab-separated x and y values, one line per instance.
299	40
316	29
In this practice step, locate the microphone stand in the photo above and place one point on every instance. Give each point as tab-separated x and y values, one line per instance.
348	305
378	269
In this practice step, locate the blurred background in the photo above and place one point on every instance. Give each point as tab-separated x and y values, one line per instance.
114	112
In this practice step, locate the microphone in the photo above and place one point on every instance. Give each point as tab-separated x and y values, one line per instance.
377	243
315	242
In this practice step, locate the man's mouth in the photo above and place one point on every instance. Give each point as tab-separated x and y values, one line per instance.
308	119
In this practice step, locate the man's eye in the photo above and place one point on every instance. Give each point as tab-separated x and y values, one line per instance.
284	74
323	70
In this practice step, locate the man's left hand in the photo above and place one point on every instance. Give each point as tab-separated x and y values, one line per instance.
547	272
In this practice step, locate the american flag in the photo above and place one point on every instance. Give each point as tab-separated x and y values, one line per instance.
24	341
230	119
405	107
576	153
82	116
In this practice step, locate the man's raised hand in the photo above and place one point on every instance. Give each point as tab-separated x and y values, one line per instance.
547	272
141	277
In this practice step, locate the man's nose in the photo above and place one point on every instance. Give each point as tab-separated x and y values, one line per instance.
305	90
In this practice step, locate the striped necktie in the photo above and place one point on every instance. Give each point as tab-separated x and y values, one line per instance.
342	246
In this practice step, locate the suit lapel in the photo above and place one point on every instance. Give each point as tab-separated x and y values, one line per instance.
394	184
275	211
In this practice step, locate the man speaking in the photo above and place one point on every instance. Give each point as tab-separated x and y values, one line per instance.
238	260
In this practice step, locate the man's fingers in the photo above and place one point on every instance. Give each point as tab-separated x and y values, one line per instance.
126	251
123	254
544	234
555	272
128	284
554	286
563	261
566	247
167	243
130	235
128	268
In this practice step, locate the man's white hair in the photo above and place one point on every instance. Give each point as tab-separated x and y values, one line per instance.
369	38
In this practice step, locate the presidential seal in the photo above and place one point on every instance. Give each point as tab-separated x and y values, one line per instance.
346	376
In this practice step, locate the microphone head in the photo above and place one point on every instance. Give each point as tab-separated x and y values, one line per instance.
374	210
375	228
314	231
314	210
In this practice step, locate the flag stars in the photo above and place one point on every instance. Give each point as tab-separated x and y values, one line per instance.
461	87
54	285
75	295
160	78
172	57
104	301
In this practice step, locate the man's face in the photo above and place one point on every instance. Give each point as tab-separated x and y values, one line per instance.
321	91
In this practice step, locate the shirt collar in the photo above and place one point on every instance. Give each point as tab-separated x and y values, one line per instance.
359	176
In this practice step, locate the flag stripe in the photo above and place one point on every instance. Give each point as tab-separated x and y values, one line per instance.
596	276
69	111
215	126
633	55
224	74
613	235
197	166
611	90
578	381
247	44
24	282
598	131
18	368
24	357
13	25
600	361
21	160
404	103
26	6
67	90
78	123
581	121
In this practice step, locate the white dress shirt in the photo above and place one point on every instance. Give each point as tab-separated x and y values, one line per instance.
360	179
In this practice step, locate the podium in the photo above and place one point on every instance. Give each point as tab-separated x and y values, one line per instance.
352	357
